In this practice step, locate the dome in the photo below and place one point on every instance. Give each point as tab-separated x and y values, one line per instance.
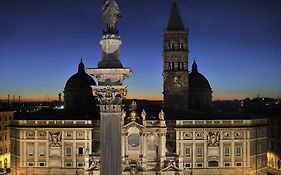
197	80
81	79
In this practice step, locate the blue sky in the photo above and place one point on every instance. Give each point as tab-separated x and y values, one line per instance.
236	43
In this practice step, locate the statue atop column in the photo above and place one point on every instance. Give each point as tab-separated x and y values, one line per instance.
111	15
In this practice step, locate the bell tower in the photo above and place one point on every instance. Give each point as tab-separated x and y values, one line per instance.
175	59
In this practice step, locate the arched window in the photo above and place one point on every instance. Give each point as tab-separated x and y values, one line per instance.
134	140
213	164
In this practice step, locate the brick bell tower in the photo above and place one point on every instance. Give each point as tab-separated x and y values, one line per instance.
175	58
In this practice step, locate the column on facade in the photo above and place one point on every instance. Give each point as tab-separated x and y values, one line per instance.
244	151
194	152
123	143
205	153
22	148
221	152
47	152
144	144
36	148
248	145
232	149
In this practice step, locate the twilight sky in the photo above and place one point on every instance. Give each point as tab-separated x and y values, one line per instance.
236	43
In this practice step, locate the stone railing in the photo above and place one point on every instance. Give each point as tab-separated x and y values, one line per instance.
222	122
54	123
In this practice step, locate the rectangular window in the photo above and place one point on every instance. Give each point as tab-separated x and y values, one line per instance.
199	165
30	134
238	164
80	164
30	150
180	66
187	165
68	151
172	66
259	150
80	135
42	134
41	150
226	164
80	151
238	151
187	151
259	162
42	164
226	151
68	134
30	164
199	151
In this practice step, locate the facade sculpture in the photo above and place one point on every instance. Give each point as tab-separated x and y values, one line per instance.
111	15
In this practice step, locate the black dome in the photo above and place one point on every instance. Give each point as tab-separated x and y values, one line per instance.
81	79
197	80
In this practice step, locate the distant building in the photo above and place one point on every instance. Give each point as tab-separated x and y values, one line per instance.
184	136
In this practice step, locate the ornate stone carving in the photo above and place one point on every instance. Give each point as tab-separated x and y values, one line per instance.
111	15
95	165
133	106
110	98
213	138
161	115
123	114
55	139
143	114
171	164
133	166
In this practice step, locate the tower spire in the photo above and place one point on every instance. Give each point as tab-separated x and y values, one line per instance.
175	21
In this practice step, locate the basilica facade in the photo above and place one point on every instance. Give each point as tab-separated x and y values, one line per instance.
182	136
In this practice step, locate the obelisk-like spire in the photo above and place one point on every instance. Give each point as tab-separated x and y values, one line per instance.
175	21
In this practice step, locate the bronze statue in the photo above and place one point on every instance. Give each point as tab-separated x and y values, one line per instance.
111	15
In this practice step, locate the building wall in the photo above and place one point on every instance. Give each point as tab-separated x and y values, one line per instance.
202	147
49	149
274	145
222	146
5	119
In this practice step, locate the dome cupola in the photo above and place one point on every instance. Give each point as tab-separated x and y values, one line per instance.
78	95
197	80
81	79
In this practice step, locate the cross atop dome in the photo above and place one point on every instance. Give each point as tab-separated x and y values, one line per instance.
194	66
